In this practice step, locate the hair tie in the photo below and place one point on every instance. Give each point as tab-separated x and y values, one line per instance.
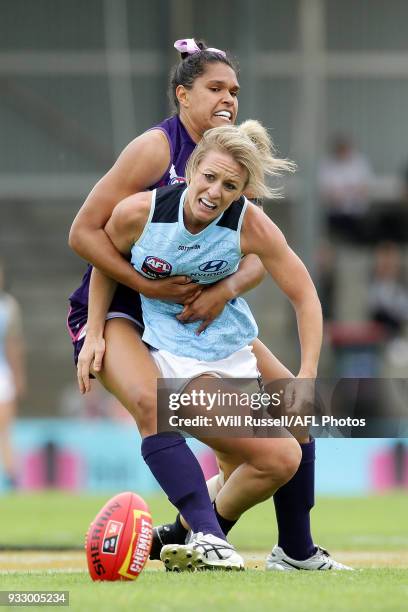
189	46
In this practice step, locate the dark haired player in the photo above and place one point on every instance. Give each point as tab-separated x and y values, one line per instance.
204	87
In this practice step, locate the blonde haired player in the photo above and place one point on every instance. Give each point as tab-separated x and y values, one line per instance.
204	90
214	222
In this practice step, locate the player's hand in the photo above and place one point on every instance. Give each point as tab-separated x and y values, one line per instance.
299	396
90	357
206	307
178	289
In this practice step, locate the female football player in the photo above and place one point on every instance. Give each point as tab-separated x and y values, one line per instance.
204	89
191	231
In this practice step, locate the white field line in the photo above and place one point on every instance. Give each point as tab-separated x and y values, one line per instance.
75	563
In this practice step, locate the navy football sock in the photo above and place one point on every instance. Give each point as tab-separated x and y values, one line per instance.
225	524
293	503
179	531
172	533
179	474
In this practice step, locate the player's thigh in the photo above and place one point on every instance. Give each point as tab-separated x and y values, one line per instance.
274	455
226	465
128	370
269	366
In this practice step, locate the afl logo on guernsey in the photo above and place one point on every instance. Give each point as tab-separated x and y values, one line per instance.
216	265
156	267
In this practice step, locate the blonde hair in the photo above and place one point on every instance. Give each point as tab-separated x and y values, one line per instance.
250	145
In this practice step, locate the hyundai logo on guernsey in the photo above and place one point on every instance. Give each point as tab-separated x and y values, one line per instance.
216	265
156	267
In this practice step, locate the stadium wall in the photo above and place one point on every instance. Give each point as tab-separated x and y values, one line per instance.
100	456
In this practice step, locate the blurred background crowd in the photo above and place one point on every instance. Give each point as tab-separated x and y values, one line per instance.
329	78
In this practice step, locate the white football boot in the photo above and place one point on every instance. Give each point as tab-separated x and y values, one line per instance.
201	552
321	560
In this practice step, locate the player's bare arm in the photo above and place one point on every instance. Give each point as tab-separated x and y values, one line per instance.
127	221
140	165
123	229
261	236
101	290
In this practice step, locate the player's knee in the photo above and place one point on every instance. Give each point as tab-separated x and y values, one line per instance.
282	463
141	403
288	460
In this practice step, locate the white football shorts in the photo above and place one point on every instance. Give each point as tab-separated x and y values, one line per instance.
241	364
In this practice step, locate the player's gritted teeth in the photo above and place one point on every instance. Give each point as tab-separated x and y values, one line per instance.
225	114
207	204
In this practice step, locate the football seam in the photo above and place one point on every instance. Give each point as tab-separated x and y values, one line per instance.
119	560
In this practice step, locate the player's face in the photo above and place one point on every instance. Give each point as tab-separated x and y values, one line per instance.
217	182
212	101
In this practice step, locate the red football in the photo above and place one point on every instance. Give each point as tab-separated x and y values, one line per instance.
119	539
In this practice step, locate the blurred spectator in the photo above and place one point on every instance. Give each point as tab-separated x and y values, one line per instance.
388	290
391	215
344	181
326	279
12	376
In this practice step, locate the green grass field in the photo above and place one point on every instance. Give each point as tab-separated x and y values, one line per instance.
365	590
370	533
